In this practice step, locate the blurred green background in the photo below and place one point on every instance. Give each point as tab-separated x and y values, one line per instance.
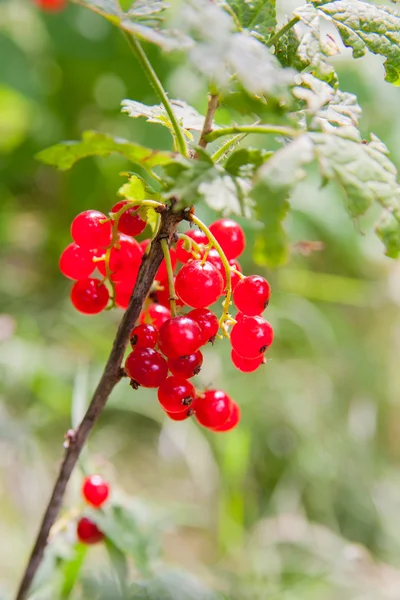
302	500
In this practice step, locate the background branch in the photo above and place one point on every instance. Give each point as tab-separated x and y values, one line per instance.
213	101
111	375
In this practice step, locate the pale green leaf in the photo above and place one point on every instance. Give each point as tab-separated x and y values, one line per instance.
65	154
258	16
388	231
137	189
245	161
15	116
363	26
71	569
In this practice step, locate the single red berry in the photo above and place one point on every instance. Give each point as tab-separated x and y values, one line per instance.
51	5
89	296
251	336
214	258
162	295
90	229
247	365
175	393
95	490
186	366
130	222
88	532
233	419
161	274
230	236
207	322
125	259
185	255
179	336
213	408
144	336
198	284
123	293
251	295
77	262
146	367
180	416
155	314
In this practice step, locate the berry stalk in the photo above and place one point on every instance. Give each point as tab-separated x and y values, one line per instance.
170	274
111	376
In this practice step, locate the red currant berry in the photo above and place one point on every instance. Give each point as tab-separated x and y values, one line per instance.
77	262
198	284
179	336
175	393
186	366
130	222
213	408
144	336
162	295
95	490
233	419
180	416
185	255
215	259
251	295
235	278
125	259
90	229
207	322
155	314
251	336
88	532
89	296
51	5
146	367
230	237
123	293
247	365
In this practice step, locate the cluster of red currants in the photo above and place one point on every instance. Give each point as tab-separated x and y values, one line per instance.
95	491
202	267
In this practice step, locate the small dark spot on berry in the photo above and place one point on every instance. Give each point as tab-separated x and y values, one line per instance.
212	340
187	401
263	349
190	412
134	384
197	370
266	304
134	339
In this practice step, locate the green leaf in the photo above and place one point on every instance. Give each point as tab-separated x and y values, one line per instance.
15	117
66	154
71	570
137	189
245	161
174	585
258	16
363	26
388	231
273	184
119	563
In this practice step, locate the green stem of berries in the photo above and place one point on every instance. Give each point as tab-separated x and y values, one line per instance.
170	272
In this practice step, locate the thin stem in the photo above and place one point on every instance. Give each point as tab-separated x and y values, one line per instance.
217	133
158	87
227	147
213	101
111	376
214	242
192	243
272	41
170	273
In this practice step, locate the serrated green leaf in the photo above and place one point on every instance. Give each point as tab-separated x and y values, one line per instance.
66	154
273	184
388	231
258	16
137	189
245	161
363	26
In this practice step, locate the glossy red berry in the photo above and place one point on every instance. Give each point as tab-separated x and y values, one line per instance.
161	274
144	336
125	259
89	296
123	293
186	366
130	222
185	255
179	336
90	229
198	285
230	236
251	336
214	258
88	532
180	416
175	393
95	490
51	5
155	314
232	421
77	262
207	322
146	367
247	365
213	408
251	295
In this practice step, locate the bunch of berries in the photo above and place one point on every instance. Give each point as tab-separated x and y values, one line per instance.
95	491
201	267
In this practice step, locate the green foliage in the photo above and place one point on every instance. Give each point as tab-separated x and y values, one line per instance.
258	17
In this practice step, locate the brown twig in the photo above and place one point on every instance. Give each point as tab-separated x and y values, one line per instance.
213	100
111	375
